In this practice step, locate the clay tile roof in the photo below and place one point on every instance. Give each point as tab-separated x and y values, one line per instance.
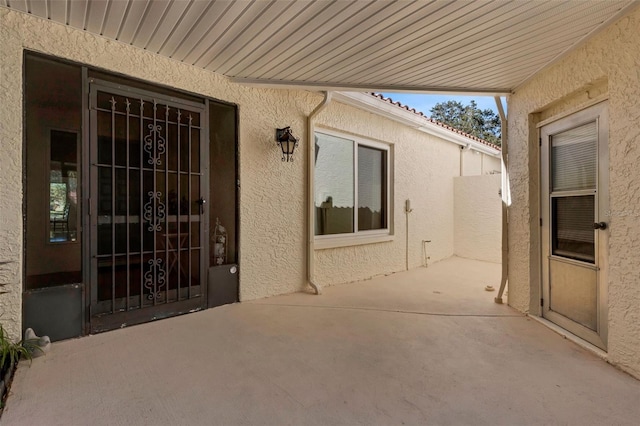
446	126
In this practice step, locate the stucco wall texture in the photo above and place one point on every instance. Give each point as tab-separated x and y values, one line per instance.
272	250
606	64
475	163
424	171
478	217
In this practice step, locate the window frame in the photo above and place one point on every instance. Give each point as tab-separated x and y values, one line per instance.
358	237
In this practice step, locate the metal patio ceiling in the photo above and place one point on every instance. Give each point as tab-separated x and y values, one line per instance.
450	46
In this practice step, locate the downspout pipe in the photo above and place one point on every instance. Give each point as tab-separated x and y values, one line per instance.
505	199
311	232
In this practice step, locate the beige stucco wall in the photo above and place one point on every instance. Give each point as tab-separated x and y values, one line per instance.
606	65
272	251
478	217
424	169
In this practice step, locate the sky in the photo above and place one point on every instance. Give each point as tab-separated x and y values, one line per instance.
424	103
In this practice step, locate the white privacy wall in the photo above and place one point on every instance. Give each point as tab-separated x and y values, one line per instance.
478	217
475	163
606	66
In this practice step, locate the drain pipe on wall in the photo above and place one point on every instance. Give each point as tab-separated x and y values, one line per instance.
407	211
505	193
311	232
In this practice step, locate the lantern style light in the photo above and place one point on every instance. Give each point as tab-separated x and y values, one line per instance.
287	142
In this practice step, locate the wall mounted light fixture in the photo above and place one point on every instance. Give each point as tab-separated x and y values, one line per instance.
287	142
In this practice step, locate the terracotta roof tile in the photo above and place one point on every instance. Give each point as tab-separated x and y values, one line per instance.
446	126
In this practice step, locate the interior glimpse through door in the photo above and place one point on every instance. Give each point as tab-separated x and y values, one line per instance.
574	227
148	218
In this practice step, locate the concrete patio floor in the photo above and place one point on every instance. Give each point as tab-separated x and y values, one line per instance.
427	346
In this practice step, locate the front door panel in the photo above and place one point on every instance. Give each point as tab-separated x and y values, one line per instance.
147	212
574	200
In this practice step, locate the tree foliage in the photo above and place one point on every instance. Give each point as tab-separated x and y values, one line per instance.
482	123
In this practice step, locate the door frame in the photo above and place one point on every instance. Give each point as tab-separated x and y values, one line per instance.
600	113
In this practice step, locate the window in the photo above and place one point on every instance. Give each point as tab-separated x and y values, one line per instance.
350	172
63	186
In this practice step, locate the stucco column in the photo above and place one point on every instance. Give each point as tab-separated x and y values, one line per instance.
10	179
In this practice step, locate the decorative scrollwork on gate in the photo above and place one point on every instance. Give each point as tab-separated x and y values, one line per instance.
154	278
160	144
154	211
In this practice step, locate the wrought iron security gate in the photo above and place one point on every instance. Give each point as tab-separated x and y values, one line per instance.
147	211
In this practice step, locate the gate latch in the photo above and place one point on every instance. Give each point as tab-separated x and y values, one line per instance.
600	225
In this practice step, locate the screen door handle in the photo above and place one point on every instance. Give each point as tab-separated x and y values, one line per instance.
202	202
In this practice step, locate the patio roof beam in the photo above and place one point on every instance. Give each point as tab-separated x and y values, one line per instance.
316	86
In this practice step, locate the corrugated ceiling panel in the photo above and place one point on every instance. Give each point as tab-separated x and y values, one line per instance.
528	48
175	12
481	49
365	14
114	19
136	12
266	42
250	36
200	28
415	14
393	12
327	21
479	45
239	17
77	13
154	18
58	11
386	41
480	53
20	5
39	8
308	21
96	17
478	32
183	27
386	56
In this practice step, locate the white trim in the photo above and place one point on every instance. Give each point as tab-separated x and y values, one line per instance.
570	336
333	86
393	112
345	240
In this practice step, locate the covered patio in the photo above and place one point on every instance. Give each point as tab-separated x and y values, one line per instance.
427	346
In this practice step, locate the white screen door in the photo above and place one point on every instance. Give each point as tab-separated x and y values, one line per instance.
574	199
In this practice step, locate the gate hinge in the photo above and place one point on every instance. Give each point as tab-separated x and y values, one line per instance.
541	302
540	221
539	141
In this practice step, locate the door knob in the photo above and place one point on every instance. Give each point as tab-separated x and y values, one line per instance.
600	225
